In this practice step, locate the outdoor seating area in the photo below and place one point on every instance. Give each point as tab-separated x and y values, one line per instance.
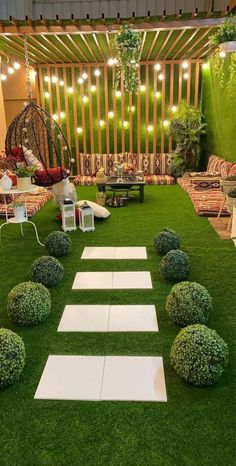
117	232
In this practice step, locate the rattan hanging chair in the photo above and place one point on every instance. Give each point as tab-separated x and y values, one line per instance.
35	130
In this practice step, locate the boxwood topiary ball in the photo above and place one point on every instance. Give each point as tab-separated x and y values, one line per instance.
166	241
175	266
29	303
12	357
199	355
58	244
188	303
47	270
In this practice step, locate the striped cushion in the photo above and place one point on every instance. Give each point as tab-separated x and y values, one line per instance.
205	202
232	171
149	179
225	169
214	164
34	202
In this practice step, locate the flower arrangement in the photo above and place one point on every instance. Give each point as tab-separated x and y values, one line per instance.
126	49
25	171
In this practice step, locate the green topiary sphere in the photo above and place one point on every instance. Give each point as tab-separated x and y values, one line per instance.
58	244
12	357
47	270
188	303
28	303
199	355
175	266
166	241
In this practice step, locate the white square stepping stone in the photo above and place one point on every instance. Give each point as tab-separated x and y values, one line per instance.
71	378
98	253
132	280
133	318
84	318
131	253
133	378
93	281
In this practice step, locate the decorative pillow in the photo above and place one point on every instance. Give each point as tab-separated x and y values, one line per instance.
99	211
205	183
203	174
214	164
31	159
50	176
225	168
232	171
7	198
18	154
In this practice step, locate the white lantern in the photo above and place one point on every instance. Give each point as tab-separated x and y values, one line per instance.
68	215
86	218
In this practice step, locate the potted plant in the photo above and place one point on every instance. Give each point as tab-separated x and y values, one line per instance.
231	200
225	36
19	211
24	174
227	184
186	129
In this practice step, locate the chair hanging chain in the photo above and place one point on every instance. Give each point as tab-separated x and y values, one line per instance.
27	69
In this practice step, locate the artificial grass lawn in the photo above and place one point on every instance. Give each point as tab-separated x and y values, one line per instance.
195	426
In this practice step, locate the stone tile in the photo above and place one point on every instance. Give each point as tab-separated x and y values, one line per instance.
132	280
84	318
133	378
130	253
132	318
98	253
71	378
93	281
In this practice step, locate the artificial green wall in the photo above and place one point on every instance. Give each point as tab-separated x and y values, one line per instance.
219	108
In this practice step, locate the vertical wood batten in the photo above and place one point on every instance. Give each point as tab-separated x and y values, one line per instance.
66	107
83	115
138	119
130	123
75	117
122	115
147	108
189	83
59	111
90	111
171	100
180	85
107	110
163	109
99	115
51	113
154	149
196	96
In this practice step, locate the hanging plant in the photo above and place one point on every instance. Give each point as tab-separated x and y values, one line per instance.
126	49
231	85
218	69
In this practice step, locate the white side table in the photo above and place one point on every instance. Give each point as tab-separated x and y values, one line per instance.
15	192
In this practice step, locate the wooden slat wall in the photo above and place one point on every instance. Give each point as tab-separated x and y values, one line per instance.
114	137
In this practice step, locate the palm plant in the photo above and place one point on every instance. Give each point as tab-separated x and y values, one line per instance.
186	129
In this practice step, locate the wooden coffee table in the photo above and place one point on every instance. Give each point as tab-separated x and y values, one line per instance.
127	184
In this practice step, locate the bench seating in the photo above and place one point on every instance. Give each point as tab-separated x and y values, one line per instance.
34	202
154	166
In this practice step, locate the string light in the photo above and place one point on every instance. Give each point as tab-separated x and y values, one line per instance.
185	64
47	95
115	61
160	77
79	130
101	123
185	75
54	79
55	116
61	83
3	77
111	114
85	99
16	65
173	109
157	67
158	95
118	93
165	123
80	81
93	88
46	79
132	108
10	70
142	88
70	90
125	124
97	72
150	128
62	115
222	54
110	62
84	75
205	66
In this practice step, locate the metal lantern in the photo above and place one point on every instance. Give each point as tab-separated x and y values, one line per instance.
68	215
86	218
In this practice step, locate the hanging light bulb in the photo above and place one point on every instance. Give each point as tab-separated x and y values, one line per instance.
97	72
70	90
222	54
79	130
47	95
62	115
150	128
158	95
110	62
160	76
46	79
80	80
111	114
174	108
165	123
115	61
101	123
84	75
142	88
61	83
157	67
205	66
16	65
10	70
3	77
185	75
54	79
55	116
185	64
125	124
93	88
85	99
132	108
118	93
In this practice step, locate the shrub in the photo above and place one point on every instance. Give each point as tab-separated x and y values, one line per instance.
29	303
12	357
232	193
58	244
175	266
166	241
188	303
199	355
46	270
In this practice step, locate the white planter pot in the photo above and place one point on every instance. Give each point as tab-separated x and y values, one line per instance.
231	203
226	185
19	213
23	184
228	46
5	182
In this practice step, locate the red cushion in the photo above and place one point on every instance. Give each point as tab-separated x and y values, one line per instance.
50	176
18	154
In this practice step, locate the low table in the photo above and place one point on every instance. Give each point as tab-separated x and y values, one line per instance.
15	192
125	184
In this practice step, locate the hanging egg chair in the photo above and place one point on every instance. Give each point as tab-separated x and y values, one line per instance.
35	138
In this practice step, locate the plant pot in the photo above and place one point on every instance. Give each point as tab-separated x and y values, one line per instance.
226	186
19	213
228	46
24	184
231	203
5	182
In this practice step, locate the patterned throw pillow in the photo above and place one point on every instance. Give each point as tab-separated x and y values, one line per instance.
201	184
214	164
232	171
225	169
31	159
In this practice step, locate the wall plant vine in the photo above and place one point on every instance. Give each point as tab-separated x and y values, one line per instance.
126	49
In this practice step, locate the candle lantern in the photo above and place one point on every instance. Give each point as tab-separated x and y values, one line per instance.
68	215
86	218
